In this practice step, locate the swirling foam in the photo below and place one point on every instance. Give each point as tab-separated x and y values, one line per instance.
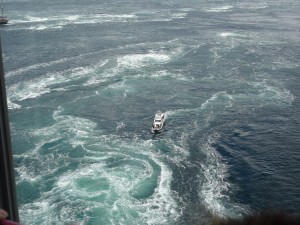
122	180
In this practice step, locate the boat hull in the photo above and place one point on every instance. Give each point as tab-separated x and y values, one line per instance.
158	123
3	20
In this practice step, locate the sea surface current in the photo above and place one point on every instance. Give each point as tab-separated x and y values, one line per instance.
85	78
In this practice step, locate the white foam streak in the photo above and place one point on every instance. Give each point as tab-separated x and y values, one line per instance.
59	21
36	19
231	34
12	105
224	99
139	60
252	5
269	92
44	85
224	8
163	201
27	174
36	66
214	190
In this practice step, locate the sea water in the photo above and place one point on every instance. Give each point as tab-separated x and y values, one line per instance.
85	78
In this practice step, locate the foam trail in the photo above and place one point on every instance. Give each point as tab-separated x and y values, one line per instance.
216	190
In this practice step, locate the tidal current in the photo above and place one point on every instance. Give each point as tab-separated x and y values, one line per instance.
85	78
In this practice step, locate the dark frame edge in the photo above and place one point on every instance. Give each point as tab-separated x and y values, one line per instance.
8	196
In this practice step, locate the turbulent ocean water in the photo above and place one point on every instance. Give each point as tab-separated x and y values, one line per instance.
85	78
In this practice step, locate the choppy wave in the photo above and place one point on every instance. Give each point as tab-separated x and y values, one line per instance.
90	75
30	22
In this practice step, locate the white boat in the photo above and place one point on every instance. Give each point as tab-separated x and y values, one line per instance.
158	122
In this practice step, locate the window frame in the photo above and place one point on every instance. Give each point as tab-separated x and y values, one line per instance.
8	197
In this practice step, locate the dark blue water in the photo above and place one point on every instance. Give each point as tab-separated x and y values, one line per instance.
85	78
